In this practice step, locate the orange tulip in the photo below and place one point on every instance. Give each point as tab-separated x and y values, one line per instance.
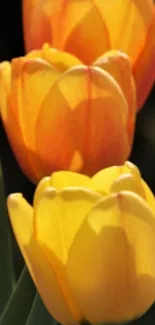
89	28
61	114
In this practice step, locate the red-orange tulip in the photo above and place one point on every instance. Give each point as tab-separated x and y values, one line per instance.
89	28
61	114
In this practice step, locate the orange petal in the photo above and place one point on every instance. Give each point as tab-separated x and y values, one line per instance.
10	120
31	79
118	65
82	106
128	23
84	26
144	67
37	27
66	25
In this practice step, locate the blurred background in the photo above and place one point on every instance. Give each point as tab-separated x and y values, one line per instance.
143	152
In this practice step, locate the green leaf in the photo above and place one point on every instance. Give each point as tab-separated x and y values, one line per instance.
20	303
6	270
39	315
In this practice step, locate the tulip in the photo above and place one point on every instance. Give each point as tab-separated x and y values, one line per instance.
89	28
61	114
89	244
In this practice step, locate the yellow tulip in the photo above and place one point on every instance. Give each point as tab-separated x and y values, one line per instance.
89	244
61	114
89	28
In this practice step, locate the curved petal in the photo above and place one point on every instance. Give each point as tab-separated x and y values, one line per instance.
35	54
59	215
54	219
60	180
103	180
60	60
10	120
115	246
41	187
21	216
127	23
66	25
128	182
31	80
118	65
144	67
36	23
82	106
82	23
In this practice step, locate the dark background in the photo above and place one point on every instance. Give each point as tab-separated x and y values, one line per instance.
143	153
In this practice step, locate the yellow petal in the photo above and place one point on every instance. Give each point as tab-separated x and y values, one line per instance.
41	187
59	180
125	21
119	66
63	179
54	220
60	60
78	111
128	182
103	180
144	67
21	216
59	215
115	247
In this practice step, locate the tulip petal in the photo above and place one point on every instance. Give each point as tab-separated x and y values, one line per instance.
144	67
78	35
35	54
128	23
63	179
53	219
21	216
10	120
66	25
111	263
60	180
60	60
31	80
37	28
41	187
128	182
103	180
118	65
87	103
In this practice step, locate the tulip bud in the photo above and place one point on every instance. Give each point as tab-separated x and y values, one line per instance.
61	114
89	244
89	30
